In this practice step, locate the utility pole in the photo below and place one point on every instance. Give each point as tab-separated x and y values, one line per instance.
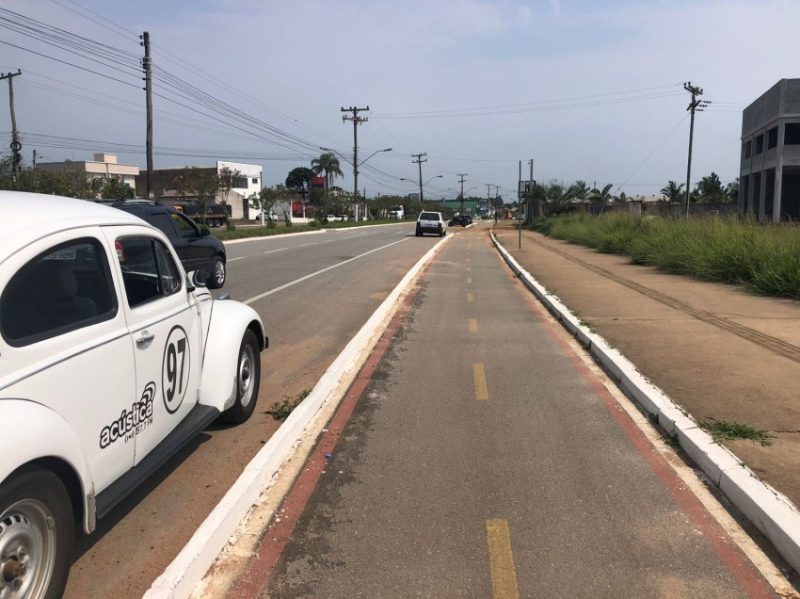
16	146
148	90
529	219
694	105
419	162
35	156
357	120
461	180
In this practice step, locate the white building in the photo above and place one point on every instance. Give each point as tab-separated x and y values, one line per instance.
246	186
104	166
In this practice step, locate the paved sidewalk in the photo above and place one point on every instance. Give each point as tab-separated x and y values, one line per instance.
716	350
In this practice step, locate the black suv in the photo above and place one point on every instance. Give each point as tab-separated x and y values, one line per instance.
194	246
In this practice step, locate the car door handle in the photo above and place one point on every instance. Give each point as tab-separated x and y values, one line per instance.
145	339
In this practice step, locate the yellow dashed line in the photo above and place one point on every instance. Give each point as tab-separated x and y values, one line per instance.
473	325
470	298
481	390
501	560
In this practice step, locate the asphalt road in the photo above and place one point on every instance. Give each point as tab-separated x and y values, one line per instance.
313	292
485	460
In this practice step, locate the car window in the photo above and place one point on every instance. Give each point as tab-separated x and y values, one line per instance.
148	270
185	227
163	222
63	289
429	216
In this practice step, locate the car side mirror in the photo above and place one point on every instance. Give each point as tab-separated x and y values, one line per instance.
195	279
204	232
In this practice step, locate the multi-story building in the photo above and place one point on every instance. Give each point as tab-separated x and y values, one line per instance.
240	197
769	180
104	166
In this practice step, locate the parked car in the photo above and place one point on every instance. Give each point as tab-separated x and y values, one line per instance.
397	212
431	222
112	360
196	249
460	220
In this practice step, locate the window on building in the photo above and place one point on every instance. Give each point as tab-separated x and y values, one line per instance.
759	144
791	134
748	148
255	181
239	183
772	138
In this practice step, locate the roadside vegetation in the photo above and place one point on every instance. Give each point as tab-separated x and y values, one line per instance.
280	410
763	258
723	430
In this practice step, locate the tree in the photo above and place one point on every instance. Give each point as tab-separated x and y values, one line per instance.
732	191
709	189
227	179
601	197
200	183
299	178
115	189
580	190
328	166
673	191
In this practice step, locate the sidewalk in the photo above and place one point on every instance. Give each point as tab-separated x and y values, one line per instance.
716	350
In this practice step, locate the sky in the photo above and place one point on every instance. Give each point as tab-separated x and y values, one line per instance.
589	90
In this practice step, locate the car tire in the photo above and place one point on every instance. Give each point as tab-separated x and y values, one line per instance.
217	273
419	232
248	380
37	528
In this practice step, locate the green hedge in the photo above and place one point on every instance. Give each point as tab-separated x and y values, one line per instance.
763	258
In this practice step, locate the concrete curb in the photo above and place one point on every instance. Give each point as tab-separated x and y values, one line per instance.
188	568
317	232
769	510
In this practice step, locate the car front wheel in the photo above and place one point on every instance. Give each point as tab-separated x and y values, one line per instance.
217	273
36	533
248	379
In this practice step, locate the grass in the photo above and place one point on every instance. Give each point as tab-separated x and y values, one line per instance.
764	258
723	430
281	410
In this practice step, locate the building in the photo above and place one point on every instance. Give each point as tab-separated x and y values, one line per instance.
104	166
241	196
769	180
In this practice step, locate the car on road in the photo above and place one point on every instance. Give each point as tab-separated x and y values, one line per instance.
431	222
112	358
460	220
197	250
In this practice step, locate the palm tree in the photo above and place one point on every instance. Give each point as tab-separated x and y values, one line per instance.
602	197
579	190
673	191
327	164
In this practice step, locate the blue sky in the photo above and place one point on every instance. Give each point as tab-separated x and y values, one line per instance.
293	64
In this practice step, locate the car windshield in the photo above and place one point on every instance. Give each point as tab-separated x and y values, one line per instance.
429	216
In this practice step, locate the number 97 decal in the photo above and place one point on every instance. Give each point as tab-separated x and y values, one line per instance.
175	369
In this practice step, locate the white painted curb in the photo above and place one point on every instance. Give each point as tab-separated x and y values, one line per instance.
770	511
190	565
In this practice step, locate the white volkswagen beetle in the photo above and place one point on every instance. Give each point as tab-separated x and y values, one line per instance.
111	358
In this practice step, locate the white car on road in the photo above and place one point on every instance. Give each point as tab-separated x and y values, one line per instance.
431	222
111	359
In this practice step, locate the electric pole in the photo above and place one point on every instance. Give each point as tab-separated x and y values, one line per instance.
694	105
461	195
419	162
357	120
16	146
529	218
148	89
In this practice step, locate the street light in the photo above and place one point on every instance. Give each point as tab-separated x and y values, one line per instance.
355	170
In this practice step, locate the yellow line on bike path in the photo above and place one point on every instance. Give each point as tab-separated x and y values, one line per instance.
481	390
473	325
501	560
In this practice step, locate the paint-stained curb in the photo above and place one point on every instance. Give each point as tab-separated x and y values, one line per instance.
188	568
769	510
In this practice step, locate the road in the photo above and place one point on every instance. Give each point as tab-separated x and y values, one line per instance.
313	292
486	459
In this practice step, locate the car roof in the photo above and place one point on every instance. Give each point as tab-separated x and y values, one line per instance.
28	216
